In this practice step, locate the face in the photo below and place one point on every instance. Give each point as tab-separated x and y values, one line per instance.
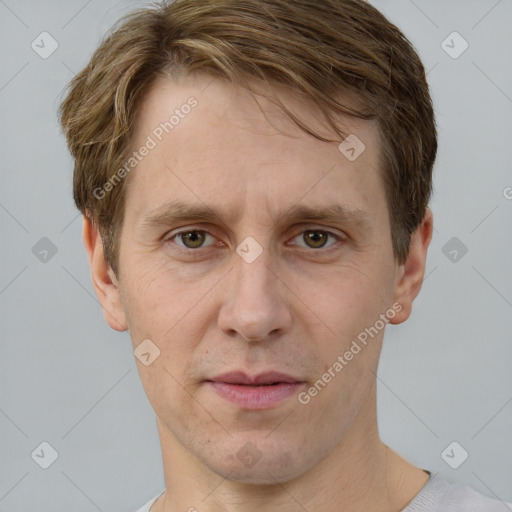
253	249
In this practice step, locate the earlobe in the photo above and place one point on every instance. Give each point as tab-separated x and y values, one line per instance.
410	275
104	280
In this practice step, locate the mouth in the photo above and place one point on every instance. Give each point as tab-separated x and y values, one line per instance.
257	392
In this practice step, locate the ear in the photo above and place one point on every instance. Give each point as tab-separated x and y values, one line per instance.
410	275
104	280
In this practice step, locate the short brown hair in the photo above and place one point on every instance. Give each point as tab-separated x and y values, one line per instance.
321	49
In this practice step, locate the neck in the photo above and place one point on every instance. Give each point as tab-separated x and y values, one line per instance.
360	474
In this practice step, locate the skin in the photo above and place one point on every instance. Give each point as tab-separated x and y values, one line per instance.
295	309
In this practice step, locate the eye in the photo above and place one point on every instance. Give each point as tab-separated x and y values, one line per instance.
191	239
196	239
316	238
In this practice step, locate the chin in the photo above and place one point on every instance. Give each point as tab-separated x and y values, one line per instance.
264	474
269	466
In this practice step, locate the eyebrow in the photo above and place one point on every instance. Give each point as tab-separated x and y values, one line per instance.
177	211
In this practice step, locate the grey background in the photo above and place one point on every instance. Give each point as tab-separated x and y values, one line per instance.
67	379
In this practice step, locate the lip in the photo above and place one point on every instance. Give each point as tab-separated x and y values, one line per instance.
240	377
256	392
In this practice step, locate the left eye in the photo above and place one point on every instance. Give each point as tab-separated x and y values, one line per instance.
315	238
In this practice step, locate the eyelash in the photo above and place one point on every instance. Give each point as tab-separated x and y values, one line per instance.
171	238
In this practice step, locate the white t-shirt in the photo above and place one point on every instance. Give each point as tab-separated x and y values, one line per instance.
437	495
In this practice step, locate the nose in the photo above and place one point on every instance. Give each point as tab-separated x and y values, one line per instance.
255	307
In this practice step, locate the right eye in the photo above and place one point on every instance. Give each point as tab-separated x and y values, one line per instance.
191	239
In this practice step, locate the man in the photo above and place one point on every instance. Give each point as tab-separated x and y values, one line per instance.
254	178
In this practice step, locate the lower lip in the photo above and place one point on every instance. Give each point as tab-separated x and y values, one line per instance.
256	397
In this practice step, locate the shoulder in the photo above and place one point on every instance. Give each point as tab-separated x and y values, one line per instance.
440	495
146	507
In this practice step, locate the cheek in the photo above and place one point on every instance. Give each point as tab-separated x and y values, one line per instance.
347	298
173	315
348	302
150	299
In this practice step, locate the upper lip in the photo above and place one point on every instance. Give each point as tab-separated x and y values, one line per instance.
240	377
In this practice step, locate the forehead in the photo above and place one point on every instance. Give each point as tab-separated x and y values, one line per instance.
216	143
